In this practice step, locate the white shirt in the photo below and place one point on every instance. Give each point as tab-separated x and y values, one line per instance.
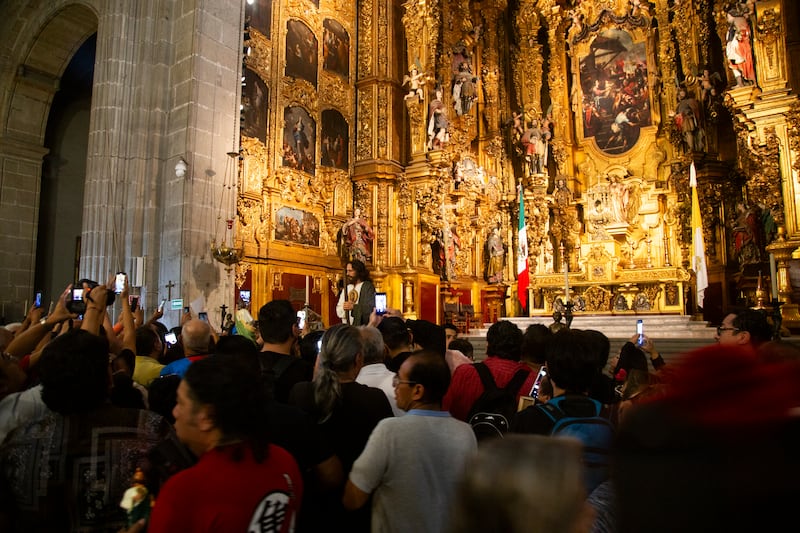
378	376
20	408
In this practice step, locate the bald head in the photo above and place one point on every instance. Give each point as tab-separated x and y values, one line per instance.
196	337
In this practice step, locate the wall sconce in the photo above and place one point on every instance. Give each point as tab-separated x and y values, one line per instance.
180	168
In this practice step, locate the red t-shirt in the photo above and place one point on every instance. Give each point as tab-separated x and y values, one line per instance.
221	494
466	387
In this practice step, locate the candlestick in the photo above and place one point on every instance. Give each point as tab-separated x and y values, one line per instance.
773	276
565	266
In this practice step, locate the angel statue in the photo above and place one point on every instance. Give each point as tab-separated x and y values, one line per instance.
415	80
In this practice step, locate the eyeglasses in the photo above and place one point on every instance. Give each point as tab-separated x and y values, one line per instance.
720	329
397	381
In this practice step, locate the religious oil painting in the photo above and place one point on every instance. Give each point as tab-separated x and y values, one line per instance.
259	14
255	98
335	48
299	139
301	52
616	99
296	226
334	140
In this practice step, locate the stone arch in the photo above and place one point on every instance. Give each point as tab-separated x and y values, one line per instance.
44	35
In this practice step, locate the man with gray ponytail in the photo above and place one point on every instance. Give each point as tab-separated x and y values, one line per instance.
345	410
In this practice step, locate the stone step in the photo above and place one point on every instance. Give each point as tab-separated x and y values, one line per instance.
668	348
672	334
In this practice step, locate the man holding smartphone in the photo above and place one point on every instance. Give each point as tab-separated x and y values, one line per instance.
357	299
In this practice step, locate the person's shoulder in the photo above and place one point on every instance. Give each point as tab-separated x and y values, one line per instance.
463	371
360	389
279	453
176	366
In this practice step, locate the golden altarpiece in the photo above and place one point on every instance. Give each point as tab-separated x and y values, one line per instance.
426	119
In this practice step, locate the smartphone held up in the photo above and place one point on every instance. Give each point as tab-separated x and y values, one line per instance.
380	303
119	282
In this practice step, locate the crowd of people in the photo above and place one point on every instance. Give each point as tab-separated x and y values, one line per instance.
369	426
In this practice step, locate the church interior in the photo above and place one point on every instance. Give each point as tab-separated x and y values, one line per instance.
484	159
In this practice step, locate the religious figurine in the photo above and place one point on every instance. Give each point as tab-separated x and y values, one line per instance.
464	89
619	195
738	49
547	256
495	257
562	195
598	217
748	238
535	142
437	122
557	325
452	245
137	501
357	237
439	255
415	80
689	121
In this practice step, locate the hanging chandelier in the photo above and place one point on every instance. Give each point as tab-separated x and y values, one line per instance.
222	246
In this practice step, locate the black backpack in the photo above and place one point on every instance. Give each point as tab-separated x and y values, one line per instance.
492	411
596	433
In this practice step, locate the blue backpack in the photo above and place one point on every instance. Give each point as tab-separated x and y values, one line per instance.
595	432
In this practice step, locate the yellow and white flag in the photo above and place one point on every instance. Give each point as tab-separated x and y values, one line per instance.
698	246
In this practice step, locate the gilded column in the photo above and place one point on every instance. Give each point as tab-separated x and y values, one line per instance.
557	86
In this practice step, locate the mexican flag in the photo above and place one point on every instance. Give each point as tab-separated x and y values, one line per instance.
523	279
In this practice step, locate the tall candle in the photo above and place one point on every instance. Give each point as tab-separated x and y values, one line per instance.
308	279
566	283
773	276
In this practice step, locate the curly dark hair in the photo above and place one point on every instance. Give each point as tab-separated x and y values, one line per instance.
362	274
504	340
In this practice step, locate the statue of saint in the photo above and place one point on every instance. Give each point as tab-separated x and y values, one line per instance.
495	257
437	123
689	121
357	236
738	49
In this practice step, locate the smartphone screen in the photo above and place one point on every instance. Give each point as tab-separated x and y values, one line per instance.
37	300
185	310
119	282
162	304
640	332
203	316
538	383
134	301
77	294
380	303
171	338
301	318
